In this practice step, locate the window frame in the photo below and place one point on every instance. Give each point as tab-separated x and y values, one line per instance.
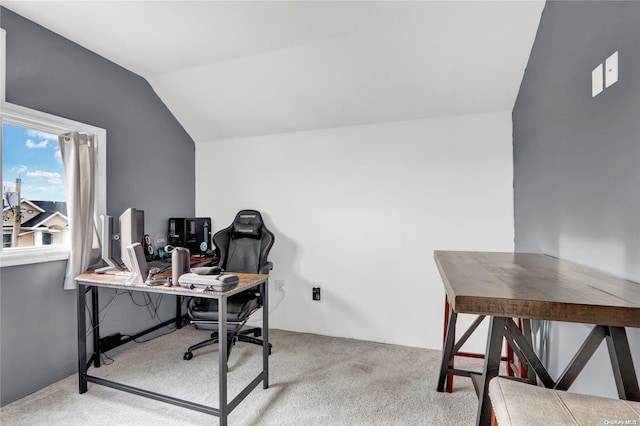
38	120
3	62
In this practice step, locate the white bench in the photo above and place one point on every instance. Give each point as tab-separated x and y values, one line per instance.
521	404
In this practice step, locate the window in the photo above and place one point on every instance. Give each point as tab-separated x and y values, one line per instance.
33	187
47	239
31	162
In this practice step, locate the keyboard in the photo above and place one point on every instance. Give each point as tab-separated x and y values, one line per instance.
160	264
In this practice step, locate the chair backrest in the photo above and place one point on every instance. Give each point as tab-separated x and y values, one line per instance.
245	244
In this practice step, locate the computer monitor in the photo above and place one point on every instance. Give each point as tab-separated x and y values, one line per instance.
107	237
140	269
131	231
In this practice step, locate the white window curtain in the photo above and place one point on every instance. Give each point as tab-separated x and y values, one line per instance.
78	156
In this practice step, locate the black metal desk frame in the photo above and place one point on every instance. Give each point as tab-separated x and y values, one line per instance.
225	407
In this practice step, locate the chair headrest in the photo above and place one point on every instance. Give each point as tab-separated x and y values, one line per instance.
247	224
241	230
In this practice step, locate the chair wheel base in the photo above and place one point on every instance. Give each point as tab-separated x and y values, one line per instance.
187	356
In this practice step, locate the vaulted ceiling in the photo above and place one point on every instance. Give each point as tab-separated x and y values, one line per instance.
230	69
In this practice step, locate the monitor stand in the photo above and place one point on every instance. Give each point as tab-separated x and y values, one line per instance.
110	270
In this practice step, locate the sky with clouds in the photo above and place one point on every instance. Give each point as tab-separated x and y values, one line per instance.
35	158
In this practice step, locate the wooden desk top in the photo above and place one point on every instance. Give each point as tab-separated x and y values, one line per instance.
536	286
120	282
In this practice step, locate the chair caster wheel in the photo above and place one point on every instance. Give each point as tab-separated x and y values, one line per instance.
257	333
187	356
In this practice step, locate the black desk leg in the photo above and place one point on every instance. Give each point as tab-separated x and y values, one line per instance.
491	368
222	360
178	312
82	339
622	363
95	323
580	359
264	291
447	350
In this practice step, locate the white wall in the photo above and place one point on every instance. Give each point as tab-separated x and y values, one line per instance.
361	209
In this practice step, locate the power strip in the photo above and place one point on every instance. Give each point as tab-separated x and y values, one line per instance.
109	342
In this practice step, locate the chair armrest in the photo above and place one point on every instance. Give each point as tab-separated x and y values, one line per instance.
266	268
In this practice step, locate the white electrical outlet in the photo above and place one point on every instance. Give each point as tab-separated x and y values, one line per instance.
611	69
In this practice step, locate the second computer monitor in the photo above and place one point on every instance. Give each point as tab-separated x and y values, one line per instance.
131	231
106	237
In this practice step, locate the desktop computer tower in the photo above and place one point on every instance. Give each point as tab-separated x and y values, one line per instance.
193	233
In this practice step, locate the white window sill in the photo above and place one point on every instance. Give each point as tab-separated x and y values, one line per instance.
28	255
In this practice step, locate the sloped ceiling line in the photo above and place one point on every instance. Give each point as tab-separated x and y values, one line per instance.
240	69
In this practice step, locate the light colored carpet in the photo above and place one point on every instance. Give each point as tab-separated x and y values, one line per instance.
314	380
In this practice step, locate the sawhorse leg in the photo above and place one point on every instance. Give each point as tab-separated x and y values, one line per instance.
491	368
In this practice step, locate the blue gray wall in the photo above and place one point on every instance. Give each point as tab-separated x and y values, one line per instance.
150	166
577	158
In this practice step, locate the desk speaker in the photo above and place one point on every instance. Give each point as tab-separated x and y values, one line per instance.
179	263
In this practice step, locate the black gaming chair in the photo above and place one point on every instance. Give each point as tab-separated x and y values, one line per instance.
244	247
